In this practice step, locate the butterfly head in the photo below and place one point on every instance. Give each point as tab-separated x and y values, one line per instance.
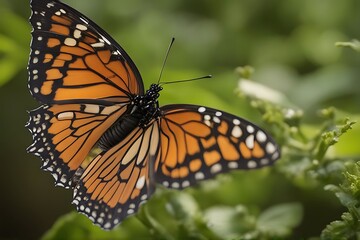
153	92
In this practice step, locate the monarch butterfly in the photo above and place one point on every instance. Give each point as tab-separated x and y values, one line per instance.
93	98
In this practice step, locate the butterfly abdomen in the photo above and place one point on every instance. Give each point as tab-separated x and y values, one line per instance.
118	131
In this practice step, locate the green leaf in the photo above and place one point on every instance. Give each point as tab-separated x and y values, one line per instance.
279	220
331	137
230	222
182	206
345	198
346	229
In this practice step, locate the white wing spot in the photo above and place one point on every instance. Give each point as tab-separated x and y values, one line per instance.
201	109
81	27
216	119
270	148
215	168
199	176
98	45
233	165
264	161
275	156
143	197
251	164
165	183
207	117
107	225
175	185
35	71
140	182
250	141
92	108
70	42
261	136
39	38
58	13
35	60
100	220
236	132
208	123
36	90
185	184
65	116
236	122
250	129
218	113
130	211
77	34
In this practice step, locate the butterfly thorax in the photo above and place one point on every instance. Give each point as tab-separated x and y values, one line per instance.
140	113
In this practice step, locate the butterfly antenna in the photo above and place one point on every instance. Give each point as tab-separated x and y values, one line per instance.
166	57
187	80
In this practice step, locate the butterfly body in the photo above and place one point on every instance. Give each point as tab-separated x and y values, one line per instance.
142	110
93	96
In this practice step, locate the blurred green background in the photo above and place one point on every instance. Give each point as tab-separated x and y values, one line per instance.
289	42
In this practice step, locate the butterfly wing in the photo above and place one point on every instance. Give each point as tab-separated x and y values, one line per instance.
74	60
197	143
63	135
117	181
85	81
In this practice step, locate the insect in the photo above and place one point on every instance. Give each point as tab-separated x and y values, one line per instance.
93	98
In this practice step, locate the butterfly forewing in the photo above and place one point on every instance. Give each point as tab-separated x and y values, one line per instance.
197	143
72	59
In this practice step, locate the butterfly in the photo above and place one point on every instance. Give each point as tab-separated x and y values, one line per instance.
99	133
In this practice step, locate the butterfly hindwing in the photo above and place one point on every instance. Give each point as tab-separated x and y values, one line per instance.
72	59
198	143
117	181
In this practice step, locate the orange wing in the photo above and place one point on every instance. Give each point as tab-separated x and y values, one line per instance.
74	60
198	143
64	134
117	181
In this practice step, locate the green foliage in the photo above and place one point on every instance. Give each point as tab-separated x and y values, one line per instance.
354	44
13	46
348	193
